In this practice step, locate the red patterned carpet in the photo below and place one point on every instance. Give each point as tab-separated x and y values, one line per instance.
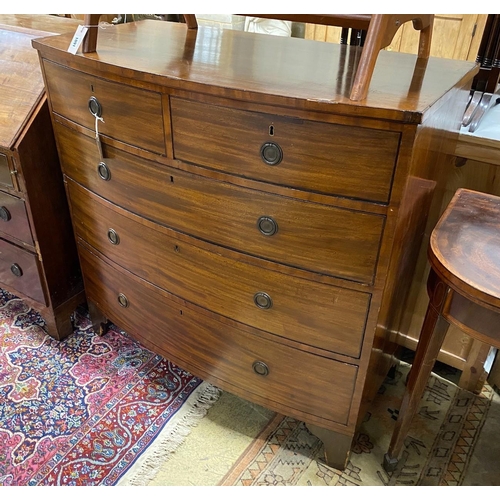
83	411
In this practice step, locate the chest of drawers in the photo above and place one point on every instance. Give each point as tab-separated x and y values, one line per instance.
38	255
241	216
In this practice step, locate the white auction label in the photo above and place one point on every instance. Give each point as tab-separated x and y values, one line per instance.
77	39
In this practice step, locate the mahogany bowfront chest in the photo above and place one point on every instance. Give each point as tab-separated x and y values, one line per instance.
242	217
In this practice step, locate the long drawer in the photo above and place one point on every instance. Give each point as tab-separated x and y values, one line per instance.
19	270
306	235
322	157
215	351
14	219
311	313
130	115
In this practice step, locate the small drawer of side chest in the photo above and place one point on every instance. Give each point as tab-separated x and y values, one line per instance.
19	270
5	173
129	114
14	219
310	313
250	364
322	157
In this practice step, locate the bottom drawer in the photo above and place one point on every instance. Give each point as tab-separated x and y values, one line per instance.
291	378
19	270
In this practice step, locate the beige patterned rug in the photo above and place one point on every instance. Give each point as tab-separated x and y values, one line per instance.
437	450
239	444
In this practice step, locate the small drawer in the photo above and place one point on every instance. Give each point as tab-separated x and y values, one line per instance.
14	219
326	158
5	175
320	238
19	270
238	360
130	115
315	314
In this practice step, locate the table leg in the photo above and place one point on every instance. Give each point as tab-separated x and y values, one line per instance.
431	339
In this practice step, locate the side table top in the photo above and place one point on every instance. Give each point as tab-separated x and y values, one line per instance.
465	246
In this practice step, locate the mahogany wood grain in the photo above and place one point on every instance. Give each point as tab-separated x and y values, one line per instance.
128	114
92	20
380	28
311	236
38	237
14	221
281	190
345	241
22	84
48	210
464	289
5	175
425	164
464	246
337	447
180	331
323	316
152	53
27	281
90	41
425	357
379	35
473	373
231	140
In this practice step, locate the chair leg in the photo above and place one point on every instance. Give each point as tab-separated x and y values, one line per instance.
424	42
380	34
374	36
191	21
90	40
431	339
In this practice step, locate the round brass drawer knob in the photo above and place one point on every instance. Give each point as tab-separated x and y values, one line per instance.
103	171
113	237
271	153
122	300
95	107
5	214
260	368
267	225
16	270
262	300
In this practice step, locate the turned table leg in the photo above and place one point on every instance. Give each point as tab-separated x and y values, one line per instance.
431	339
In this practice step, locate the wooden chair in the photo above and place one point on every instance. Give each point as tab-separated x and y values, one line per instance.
380	30
463	288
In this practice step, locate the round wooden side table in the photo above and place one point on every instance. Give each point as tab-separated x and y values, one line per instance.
463	288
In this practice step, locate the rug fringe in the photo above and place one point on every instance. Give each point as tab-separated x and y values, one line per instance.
172	436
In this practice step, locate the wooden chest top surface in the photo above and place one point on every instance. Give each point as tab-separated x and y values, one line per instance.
266	68
21	80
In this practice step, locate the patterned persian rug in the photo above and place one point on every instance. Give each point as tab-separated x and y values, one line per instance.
437	450
88	410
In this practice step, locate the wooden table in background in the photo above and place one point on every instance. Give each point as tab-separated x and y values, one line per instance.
38	258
